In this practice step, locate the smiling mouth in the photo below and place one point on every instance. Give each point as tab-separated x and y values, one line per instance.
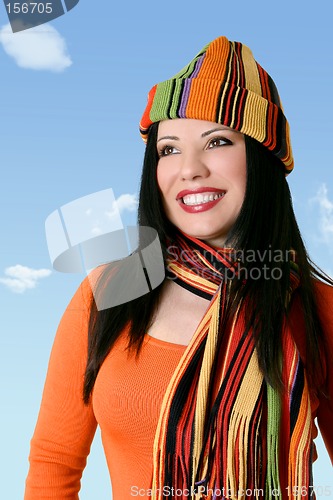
201	198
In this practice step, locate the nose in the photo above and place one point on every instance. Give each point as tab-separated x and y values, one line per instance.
192	166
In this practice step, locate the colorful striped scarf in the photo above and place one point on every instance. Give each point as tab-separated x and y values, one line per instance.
223	431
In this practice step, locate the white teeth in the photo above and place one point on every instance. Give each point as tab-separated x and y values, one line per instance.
200	198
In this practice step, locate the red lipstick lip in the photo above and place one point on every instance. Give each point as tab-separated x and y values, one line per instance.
185	192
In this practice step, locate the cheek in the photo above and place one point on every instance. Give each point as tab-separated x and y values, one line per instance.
164	181
160	182
158	176
239	174
241	179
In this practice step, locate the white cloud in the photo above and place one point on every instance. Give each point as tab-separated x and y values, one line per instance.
21	278
127	202
124	202
39	48
326	214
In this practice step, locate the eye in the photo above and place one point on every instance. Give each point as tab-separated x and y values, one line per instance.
167	151
218	141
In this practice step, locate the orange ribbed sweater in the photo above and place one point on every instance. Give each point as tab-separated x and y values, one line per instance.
126	402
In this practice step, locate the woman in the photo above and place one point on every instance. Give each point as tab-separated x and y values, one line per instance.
208	386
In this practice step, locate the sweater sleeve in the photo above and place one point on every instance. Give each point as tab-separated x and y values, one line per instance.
65	427
325	408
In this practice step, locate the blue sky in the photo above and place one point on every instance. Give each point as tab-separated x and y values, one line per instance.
72	97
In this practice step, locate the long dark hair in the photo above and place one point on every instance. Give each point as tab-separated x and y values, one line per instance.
266	224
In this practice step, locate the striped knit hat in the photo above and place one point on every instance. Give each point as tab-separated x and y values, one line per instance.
224	84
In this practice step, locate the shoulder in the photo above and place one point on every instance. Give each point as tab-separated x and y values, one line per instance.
324	299
323	294
324	302
86	291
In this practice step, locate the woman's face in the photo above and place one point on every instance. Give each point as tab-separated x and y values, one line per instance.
201	174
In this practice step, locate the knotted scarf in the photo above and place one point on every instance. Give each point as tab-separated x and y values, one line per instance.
223	431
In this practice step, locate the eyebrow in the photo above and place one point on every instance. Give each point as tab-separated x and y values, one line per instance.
218	129
169	137
204	134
